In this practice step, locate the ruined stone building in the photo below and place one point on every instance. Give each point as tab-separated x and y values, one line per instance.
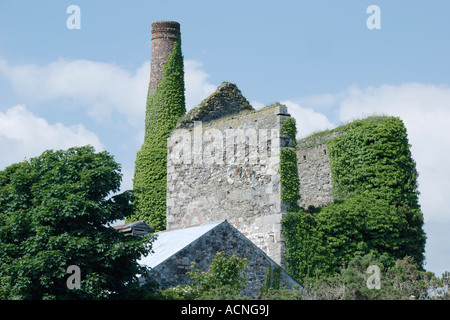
223	180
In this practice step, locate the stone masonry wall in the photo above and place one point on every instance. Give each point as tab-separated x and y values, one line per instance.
202	251
225	101
228	169
314	171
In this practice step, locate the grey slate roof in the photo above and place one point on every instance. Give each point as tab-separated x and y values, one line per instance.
175	249
170	242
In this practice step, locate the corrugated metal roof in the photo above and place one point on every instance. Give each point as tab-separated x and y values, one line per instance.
171	241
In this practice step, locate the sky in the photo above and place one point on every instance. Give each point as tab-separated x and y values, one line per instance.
62	86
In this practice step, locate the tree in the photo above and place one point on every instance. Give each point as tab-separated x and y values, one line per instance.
164	108
54	211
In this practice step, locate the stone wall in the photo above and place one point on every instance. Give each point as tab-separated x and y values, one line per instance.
314	171
228	169
225	101
224	237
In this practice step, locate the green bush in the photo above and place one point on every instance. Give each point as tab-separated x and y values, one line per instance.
282	294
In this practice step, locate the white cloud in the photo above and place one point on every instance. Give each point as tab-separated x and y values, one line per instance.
257	105
320	102
24	135
103	88
196	83
308	121
425	110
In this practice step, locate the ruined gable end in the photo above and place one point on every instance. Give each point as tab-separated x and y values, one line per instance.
225	101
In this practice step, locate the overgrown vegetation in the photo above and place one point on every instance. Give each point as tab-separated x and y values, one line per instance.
289	176
376	206
272	281
402	281
289	128
164	108
290	182
224	281
227	96
374	156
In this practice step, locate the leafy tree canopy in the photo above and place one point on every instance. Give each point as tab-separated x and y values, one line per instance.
54	211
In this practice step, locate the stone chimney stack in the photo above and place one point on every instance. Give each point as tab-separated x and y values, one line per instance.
164	34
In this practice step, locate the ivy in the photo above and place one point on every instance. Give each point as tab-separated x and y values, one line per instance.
306	249
290	182
276	278
272	280
289	128
376	203
374	156
164	108
267	281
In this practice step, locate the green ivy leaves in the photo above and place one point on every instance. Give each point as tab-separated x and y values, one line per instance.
164	108
374	155
290	182
376	203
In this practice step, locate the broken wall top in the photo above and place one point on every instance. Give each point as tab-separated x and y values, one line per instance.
225	101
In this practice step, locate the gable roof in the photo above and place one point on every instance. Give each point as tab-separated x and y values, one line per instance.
225	101
169	242
173	250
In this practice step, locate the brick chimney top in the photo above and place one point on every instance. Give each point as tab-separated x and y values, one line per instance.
164	34
165	30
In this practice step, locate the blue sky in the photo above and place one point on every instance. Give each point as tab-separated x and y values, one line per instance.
62	87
